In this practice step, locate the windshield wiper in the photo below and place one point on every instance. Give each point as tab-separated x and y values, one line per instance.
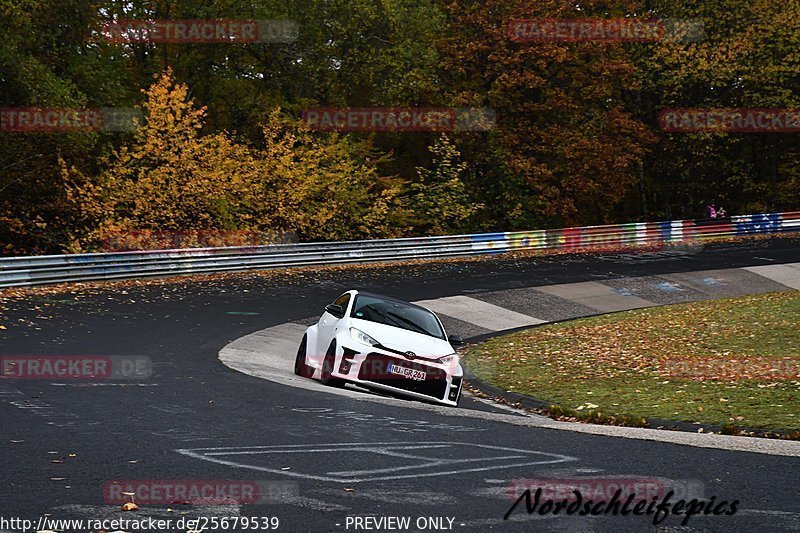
414	325
385	315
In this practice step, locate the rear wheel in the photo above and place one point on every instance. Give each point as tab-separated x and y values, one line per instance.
300	366
327	368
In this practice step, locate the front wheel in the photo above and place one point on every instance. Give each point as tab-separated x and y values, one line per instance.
328	363
300	366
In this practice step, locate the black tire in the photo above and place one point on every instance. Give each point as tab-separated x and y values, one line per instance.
325	376
300	366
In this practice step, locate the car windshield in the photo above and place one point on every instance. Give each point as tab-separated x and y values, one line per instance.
397	314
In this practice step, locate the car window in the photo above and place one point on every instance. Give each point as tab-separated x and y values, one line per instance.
396	314
343	300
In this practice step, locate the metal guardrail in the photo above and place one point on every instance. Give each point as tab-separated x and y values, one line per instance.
42	270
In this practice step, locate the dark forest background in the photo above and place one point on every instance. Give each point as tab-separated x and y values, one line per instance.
576	139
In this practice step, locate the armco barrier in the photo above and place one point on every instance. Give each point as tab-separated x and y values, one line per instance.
41	270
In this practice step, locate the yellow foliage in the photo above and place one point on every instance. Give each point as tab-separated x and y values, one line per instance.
172	177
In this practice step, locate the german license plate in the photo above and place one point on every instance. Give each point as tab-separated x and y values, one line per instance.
408	373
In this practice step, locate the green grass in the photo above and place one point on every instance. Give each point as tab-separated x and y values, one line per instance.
732	362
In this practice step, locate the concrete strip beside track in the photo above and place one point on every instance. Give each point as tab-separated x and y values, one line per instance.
480	313
597	296
788	274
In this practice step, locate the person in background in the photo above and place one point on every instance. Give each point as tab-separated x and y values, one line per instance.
711	211
721	213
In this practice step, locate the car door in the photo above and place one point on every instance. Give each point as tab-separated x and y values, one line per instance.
328	325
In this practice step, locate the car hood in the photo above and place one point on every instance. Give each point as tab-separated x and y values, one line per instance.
404	340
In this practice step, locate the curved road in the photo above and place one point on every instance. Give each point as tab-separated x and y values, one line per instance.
333	459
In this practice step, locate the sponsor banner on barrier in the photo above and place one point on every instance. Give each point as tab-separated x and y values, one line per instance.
601	236
789	224
628	236
572	237
528	240
634	233
713	228
490	243
766	223
32	271
665	229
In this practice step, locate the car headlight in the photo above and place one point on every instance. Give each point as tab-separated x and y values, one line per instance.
448	359
359	336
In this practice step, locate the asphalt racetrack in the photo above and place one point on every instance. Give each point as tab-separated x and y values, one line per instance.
331	462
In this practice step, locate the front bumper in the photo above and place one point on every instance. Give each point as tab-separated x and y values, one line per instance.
442	382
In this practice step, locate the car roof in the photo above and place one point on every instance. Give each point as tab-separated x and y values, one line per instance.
390	299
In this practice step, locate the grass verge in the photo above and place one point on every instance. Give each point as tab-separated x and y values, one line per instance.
730	363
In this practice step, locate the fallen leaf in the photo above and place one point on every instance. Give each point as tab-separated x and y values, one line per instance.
349	490
12	441
130	506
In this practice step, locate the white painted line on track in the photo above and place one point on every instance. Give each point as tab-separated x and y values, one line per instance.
491	458
480	313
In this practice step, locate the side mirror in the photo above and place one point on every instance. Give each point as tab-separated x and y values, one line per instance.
455	340
335	310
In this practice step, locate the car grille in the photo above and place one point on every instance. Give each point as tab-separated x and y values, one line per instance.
374	369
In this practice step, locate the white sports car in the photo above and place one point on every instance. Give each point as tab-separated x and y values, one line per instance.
382	343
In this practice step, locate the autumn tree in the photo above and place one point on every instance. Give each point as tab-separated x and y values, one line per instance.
175	178
566	150
325	187
439	199
743	55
